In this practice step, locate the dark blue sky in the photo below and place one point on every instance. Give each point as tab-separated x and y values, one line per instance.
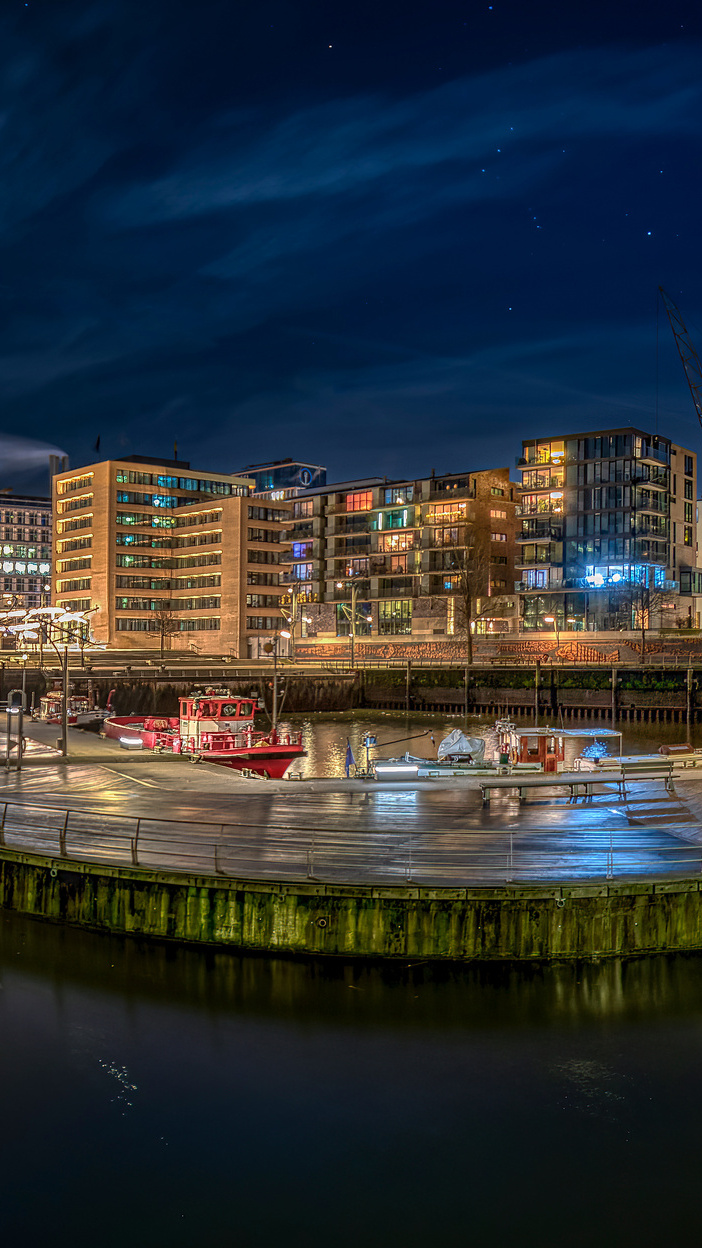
387	237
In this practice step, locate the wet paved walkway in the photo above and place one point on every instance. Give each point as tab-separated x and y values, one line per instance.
165	813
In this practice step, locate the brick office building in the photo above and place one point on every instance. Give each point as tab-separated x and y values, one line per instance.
158	550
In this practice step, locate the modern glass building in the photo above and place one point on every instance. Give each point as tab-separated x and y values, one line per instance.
599	512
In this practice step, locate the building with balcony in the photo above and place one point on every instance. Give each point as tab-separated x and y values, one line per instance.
600	513
25	537
389	556
159	552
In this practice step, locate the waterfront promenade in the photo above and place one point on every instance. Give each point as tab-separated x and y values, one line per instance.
156	846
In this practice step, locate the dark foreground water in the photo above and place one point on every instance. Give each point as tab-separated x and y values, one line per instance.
166	1097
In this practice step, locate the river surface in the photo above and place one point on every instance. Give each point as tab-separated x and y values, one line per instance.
170	1098
165	1097
325	737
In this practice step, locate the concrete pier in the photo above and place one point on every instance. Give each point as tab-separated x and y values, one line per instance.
353	921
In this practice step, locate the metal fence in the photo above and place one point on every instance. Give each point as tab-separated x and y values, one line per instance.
434	858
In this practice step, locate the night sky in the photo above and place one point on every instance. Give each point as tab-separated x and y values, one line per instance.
386	237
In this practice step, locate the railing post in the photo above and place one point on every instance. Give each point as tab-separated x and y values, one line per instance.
310	860
135	845
62	836
408	868
610	858
510	876
2	825
218	869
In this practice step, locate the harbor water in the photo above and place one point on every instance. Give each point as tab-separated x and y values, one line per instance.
325	737
168	1097
157	1097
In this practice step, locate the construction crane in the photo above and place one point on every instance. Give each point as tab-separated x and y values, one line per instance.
688	355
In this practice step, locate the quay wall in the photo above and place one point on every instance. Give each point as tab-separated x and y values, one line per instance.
356	921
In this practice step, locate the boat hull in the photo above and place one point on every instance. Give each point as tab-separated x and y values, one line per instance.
269	759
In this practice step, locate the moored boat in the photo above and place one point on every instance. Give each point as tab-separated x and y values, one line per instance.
213	726
516	749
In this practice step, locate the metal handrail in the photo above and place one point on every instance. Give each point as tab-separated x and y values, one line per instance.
257	850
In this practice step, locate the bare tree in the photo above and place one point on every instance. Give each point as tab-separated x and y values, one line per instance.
636	604
470	565
164	623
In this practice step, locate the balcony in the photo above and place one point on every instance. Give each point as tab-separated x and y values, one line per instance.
533	563
543	481
657	456
291	578
541	533
521	587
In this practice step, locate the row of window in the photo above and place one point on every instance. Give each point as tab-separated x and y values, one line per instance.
264	535
142	625
70	526
267	513
150	500
262	600
67	587
166	604
75	483
265	623
27	517
76	504
185	561
193	484
76	543
169	543
162	583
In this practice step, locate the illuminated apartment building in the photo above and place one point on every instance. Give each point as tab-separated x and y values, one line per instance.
396	546
599	512
158	551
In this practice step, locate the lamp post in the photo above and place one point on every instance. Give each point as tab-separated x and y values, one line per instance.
353	615
551	619
293	616
26	629
271	647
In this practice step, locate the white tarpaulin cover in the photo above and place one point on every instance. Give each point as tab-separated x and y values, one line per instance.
457	744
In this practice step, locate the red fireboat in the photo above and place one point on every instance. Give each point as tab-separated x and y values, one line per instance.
214	727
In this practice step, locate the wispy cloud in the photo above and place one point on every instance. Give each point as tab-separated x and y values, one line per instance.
476	124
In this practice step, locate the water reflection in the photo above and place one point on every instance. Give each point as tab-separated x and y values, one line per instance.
153	1096
325	737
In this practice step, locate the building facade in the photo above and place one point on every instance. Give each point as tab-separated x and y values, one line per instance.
284	478
607	519
165	556
26	550
389	556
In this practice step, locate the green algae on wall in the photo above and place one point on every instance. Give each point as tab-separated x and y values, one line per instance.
579	921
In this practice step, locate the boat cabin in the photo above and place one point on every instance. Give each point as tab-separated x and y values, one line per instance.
215	711
545	747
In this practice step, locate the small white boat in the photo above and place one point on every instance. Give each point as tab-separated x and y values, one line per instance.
517	749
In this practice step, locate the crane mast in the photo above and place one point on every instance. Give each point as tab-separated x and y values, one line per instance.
688	355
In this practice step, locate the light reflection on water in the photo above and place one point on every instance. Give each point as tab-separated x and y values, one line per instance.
325	737
162	1096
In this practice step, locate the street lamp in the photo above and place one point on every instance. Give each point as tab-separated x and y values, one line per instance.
293	616
551	619
271	647
43	616
353	615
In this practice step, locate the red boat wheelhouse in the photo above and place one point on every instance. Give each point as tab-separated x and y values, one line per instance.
212	726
